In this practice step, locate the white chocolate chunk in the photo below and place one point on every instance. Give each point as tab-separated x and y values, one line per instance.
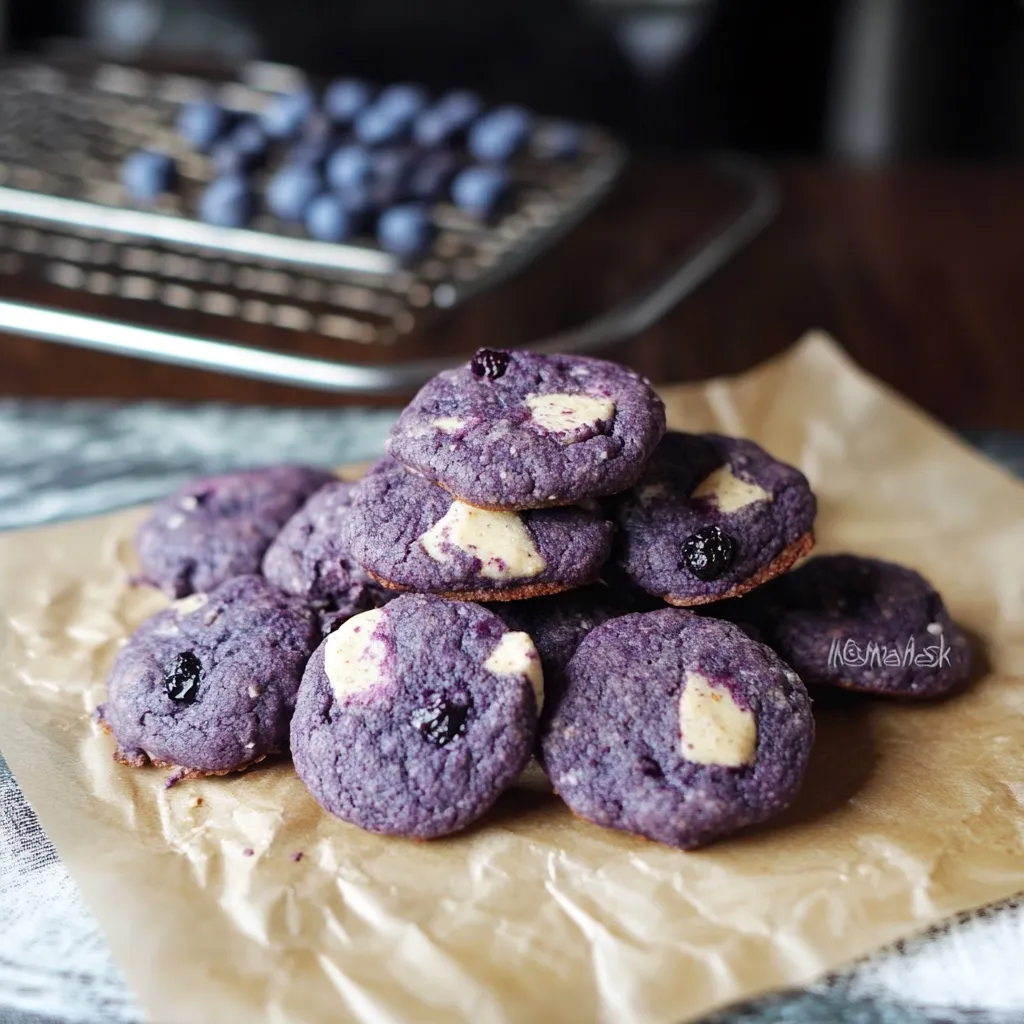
500	540
714	728
448	424
187	605
563	414
516	655
354	655
729	492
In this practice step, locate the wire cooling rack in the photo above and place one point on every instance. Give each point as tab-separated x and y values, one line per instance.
66	227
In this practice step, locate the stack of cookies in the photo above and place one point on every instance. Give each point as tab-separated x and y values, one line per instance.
515	577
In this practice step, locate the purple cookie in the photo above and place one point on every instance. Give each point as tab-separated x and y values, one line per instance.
712	517
410	535
217	527
310	558
412	719
678	728
863	624
208	685
517	430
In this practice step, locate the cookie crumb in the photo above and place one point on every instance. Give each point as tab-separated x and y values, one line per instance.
199	801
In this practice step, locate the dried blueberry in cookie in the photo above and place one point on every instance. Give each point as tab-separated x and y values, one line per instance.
412	719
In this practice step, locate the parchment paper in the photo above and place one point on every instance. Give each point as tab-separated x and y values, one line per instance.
909	813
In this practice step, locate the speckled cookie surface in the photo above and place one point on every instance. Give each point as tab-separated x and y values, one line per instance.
310	558
217	527
413	718
678	728
520	430
411	535
863	624
712	517
209	683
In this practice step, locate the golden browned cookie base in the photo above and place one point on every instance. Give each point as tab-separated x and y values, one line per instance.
483	596
504	508
864	691
782	562
143	760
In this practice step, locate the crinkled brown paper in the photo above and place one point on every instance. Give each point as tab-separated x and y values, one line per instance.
909	813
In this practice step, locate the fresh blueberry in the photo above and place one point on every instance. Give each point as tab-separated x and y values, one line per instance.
499	135
315	144
345	98
460	106
559	140
330	219
349	167
228	202
431	128
292	189
446	120
379	126
202	124
433	175
318	126
481	191
310	153
404	100
405	230
385	193
393	167
147	175
285	114
244	148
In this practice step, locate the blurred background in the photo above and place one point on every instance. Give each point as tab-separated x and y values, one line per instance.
867	80
891	131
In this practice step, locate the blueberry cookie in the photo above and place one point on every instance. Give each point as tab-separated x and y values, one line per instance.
678	728
413	718
863	624
218	527
712	517
208	685
517	430
310	558
411	535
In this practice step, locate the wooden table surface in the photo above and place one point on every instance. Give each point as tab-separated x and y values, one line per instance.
917	271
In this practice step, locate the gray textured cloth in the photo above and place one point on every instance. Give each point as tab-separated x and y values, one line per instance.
62	460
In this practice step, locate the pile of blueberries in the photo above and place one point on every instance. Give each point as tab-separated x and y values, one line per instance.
356	160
